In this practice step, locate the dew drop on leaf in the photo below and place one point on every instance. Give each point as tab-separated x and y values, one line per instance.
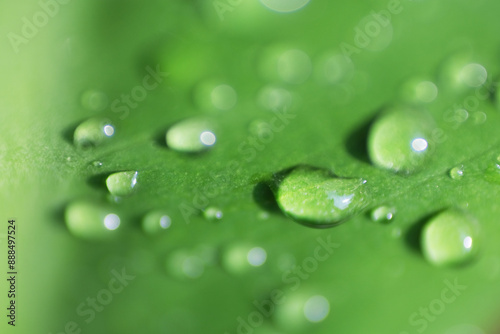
318	198
91	221
122	183
457	173
155	222
191	135
213	213
450	237
93	132
243	257
383	214
399	139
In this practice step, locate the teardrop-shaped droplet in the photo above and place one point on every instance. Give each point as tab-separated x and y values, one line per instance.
318	198
450	237
93	132
399	139
156	222
383	214
191	135
122	183
88	220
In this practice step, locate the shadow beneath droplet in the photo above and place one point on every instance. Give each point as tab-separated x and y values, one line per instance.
98	181
159	137
68	133
58	215
356	143
414	233
264	197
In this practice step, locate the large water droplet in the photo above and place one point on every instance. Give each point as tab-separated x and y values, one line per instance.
88	220
451	237
122	183
399	139
191	135
93	132
318	198
156	222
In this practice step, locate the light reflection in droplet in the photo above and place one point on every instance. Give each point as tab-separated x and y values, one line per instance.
112	221
257	256
109	130
419	144
207	138
316	308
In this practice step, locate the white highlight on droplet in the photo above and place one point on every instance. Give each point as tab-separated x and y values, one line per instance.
207	138
111	221
257	256
316	308
109	130
419	144
165	222
468	242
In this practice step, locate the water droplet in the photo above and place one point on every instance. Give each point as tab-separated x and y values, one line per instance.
191	135
274	98
93	132
492	173
459	73
419	91
97	163
383	214
155	222
94	100
214	94
241	258
122	183
185	264
399	139
318	198
292	66
449	238
316	308
213	213
88	220
457	173
285	6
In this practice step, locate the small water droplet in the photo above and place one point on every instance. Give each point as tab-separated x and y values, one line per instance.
94	100
301	310
383	214
399	139
191	135
241	258
122	183
449	238
214	94
459	73
93	132
334	68
155	222
418	91
318	198
213	213
97	163
457	173
492	173
88	220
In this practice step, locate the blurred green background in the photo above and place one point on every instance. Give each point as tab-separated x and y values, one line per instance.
233	63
